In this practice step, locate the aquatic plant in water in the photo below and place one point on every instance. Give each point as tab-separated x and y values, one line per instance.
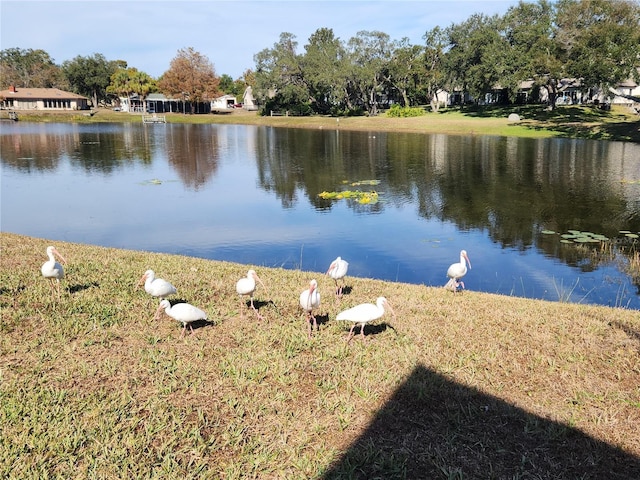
625	243
360	196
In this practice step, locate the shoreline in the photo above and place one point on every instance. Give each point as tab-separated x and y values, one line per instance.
142	253
584	122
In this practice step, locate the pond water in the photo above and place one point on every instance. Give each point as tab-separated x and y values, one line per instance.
252	195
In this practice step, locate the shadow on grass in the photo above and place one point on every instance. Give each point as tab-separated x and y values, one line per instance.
322	319
82	286
434	428
573	121
201	324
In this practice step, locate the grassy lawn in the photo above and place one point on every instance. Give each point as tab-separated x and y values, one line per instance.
536	122
467	385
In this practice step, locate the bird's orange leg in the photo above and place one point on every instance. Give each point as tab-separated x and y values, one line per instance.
350	336
362	332
55	287
256	310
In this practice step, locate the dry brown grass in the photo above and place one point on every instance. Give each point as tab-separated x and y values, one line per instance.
466	385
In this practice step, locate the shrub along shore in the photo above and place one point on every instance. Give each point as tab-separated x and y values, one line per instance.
467	385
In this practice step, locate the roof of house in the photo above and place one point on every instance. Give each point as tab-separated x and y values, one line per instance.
628	83
39	94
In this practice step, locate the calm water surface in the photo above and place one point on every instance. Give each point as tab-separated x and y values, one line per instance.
251	195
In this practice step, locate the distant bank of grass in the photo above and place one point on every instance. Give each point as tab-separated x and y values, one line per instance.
467	385
536	122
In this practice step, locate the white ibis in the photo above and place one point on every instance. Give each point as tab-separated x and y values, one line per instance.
52	269
364	313
156	287
338	270
310	299
247	286
182	312
456	271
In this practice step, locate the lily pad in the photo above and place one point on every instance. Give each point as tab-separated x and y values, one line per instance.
365	182
361	197
631	235
548	232
153	181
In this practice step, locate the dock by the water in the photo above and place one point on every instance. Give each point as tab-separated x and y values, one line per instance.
154	119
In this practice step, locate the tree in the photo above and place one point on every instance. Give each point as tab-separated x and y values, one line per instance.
529	31
369	54
279	78
600	40
30	69
90	76
126	82
232	87
475	59
191	75
323	66
226	84
435	76
406	70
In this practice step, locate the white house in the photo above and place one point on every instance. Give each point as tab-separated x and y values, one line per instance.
626	93
223	103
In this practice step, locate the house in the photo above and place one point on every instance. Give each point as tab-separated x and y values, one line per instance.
223	103
18	98
626	93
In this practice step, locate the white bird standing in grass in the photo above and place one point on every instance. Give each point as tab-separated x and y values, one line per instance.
456	271
182	312
338	270
363	314
247	286
156	287
310	299
52	269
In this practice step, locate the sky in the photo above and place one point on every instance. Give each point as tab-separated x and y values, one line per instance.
148	34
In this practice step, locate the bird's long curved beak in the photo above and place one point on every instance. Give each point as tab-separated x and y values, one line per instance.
467	259
388	305
158	311
257	278
142	279
59	256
